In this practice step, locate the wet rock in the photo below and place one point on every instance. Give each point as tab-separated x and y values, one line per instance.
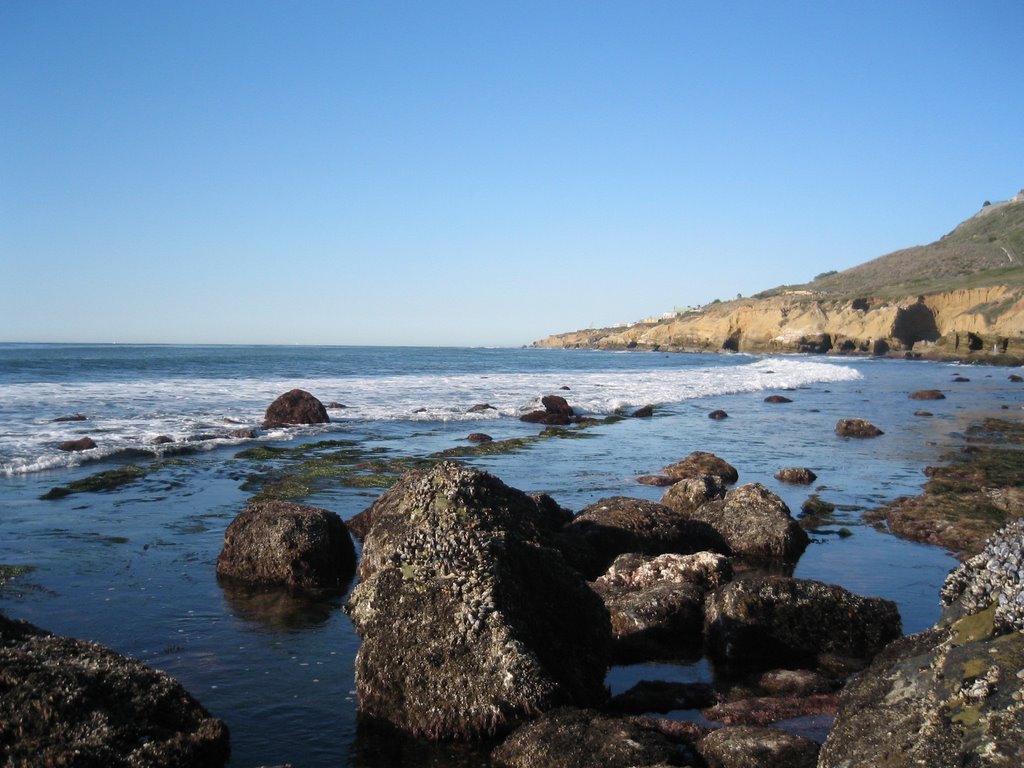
702	463
927	394
777	399
857	428
794	682
754	522
67	702
72	417
923	413
577	738
662	696
774	621
658	481
469	624
295	407
479	437
960	379
796	475
757	747
718	415
481	408
335	406
295	545
764	710
656	604
242	434
82	444
619	524
815	510
643	413
162	439
993	577
1016	377
689	494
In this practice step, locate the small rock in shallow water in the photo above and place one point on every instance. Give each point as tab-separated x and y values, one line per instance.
82	444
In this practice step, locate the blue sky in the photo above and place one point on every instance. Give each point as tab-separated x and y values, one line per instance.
476	173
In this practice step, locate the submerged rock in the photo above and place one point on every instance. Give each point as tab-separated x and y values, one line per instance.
469	623
774	621
67	702
718	415
796	475
619	524
295	407
702	463
927	394
578	738
82	444
778	399
295	545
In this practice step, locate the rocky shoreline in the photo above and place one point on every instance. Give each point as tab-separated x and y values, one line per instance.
490	616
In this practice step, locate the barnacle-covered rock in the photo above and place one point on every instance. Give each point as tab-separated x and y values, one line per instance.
995	576
469	623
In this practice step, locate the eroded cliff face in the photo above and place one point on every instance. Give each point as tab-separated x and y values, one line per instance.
979	321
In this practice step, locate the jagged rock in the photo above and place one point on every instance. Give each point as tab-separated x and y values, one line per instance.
82	444
577	738
774	621
469	624
67	702
702	463
927	394
295	545
754	522
689	494
657	603
619	524
747	746
857	428
295	407
796	475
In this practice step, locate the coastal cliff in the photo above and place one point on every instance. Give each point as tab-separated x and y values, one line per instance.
962	296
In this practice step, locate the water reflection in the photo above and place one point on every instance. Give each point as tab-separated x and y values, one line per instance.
278	608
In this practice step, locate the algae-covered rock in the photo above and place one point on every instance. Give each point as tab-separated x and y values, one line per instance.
702	463
619	524
745	746
774	621
469	624
67	702
295	407
295	545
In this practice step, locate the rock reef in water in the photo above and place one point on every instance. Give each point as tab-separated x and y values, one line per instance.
67	702
469	622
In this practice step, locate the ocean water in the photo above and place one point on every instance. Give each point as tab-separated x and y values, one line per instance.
134	568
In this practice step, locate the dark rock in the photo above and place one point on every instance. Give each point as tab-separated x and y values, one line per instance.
479	437
73	417
657	603
658	481
702	463
857	428
295	545
754	522
295	407
1016	377
556	404
161	439
796	475
420	410
67	702
336	406
544	417
643	413
468	623
777	399
689	494
662	696
927	394
82	444
619	524
764	710
564	388
481	407
923	413
773	621
244	434
794	682
960	379
577	738
747	746
718	415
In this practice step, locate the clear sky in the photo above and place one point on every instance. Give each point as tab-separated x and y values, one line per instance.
476	173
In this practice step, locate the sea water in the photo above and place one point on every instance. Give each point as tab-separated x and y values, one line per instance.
133	568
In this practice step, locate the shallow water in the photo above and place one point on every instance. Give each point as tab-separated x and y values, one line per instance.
134	568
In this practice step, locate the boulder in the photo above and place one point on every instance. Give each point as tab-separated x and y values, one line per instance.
718	415
796	475
557	412
773	621
70	702
577	738
927	394
619	524
687	495
295	407
643	413
754	522
857	428
656	604
82	444
777	399
702	463
294	545
1016	378
746	746
469	624
479	437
